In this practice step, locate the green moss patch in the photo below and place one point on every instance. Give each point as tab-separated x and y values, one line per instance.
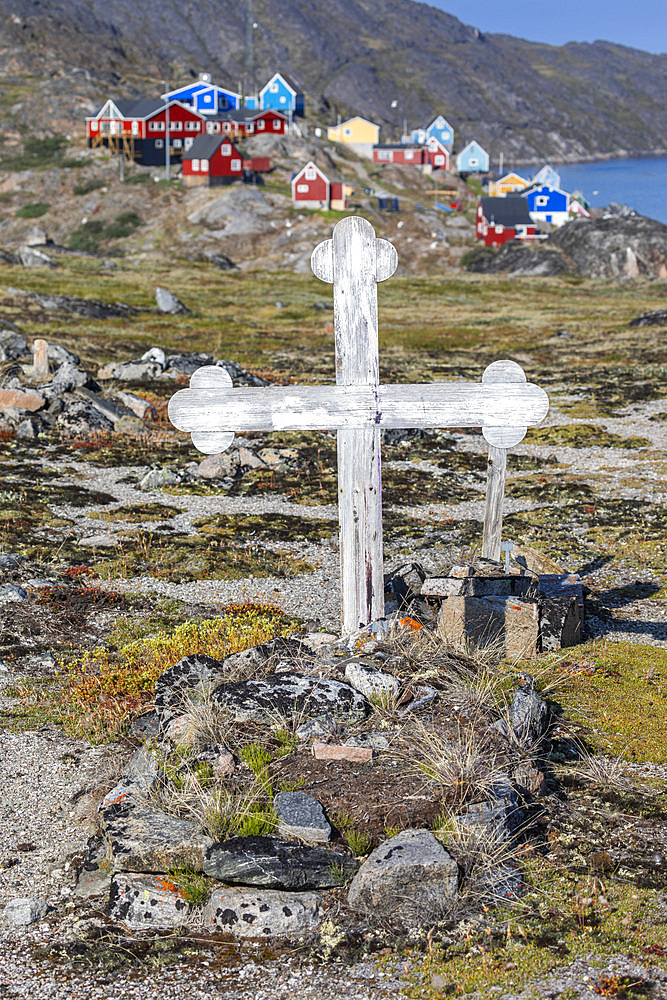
138	512
182	558
583	436
267	527
618	692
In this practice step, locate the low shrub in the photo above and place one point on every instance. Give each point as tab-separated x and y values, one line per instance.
33	210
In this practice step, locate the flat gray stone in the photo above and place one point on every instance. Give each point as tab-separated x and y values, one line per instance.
317	729
222	466
9	592
249	913
144	839
68	376
154	479
478	586
291	696
25	910
301	815
270	863
410	878
147	901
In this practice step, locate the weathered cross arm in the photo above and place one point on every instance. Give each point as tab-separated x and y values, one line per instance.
211	409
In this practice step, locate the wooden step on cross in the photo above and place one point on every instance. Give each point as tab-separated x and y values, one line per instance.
504	405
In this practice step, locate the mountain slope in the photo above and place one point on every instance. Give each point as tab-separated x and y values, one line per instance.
357	56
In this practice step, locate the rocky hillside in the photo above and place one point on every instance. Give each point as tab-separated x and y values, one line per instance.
526	99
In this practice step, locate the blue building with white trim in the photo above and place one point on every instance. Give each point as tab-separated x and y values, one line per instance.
282	93
473	159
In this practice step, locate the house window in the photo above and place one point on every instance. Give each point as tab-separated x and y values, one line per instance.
250	128
409	154
156	126
261	125
347	131
499	229
439	160
310	174
93	126
104	128
274	88
541	201
283	99
159	143
473	161
188	142
176	126
207	98
227	127
384	154
203	166
276	125
302	188
235	165
135	128
195	165
178	143
226	149
113	128
192	126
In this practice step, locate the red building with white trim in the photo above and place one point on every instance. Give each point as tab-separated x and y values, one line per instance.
502	219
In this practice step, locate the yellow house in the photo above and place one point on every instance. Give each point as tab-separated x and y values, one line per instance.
358	133
505	185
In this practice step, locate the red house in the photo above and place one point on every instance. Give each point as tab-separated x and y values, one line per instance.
246	122
142	125
437	154
408	154
211	161
502	219
311	187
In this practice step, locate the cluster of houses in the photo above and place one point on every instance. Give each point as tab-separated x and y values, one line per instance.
199	125
515	206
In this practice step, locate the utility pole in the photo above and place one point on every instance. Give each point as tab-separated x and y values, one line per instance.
167	152
250	49
500	166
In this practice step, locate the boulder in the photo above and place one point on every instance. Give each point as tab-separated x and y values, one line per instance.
247	913
410	878
191	677
288	695
25	910
28	430
515	257
614	247
21	400
658	317
130	371
561	612
147	902
60	354
528	713
9	593
30	257
68	377
155	479
271	863
155	354
12	345
301	815
141	408
405	583
168	303
534	561
80	418
140	776
218	260
222	466
370	681
90	308
144	839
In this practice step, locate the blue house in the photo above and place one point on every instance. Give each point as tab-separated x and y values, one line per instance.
547	175
547	204
472	159
282	93
205	97
439	128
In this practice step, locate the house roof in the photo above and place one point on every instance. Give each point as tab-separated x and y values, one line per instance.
289	80
509	211
469	145
434	120
398	145
356	118
205	146
311	163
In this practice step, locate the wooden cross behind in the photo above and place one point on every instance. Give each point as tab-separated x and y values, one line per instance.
504	405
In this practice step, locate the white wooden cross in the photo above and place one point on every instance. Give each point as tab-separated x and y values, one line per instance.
504	405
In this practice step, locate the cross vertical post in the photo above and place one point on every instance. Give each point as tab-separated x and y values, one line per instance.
354	261
493	511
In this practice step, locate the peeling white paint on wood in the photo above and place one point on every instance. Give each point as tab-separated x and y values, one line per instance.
504	405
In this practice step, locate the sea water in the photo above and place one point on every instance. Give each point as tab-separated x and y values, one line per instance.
640	184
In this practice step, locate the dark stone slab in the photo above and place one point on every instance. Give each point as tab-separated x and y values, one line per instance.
276	864
191	675
528	714
293	697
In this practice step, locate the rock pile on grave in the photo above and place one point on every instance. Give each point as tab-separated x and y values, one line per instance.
531	607
283	880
